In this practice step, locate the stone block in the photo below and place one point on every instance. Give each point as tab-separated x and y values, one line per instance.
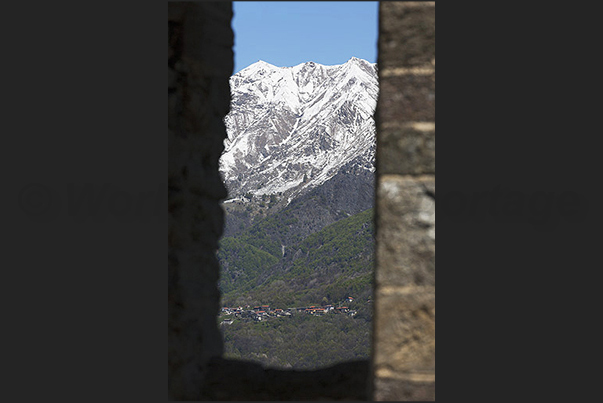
389	389
406	34
405	237
406	149
407	98
404	331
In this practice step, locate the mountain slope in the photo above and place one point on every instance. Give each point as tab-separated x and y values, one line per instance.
349	192
299	168
292	129
332	263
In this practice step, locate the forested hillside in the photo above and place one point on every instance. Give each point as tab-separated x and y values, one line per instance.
299	342
322	268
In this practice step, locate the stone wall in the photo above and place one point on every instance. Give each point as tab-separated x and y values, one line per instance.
200	62
404	317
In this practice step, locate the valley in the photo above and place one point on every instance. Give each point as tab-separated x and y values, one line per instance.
299	166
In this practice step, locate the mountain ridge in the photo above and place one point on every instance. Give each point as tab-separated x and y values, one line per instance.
291	129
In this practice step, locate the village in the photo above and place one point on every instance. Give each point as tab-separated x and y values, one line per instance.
265	312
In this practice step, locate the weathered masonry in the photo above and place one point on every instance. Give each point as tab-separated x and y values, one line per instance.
404	316
200	61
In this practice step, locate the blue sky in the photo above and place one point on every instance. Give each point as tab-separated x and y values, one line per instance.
287	33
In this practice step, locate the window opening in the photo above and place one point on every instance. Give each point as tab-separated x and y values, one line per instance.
299	164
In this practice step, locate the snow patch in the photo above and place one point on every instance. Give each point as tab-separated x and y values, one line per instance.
291	129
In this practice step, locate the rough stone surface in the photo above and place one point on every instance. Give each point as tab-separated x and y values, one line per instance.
407	149
404	315
401	390
200	61
406	319
406	231
406	34
407	97
347	381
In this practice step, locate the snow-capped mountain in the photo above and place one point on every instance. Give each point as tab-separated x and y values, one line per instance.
291	129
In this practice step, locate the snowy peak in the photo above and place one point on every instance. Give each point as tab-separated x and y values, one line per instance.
257	66
290	129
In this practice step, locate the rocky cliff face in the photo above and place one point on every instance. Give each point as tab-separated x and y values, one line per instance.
292	129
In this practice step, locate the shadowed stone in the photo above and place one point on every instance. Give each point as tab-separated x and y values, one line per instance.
240	380
406	149
407	98
406	34
200	60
